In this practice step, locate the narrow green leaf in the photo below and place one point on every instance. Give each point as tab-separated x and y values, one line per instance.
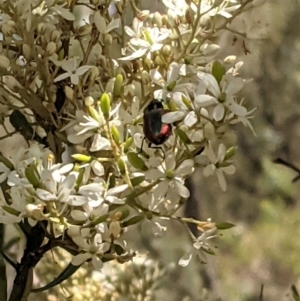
134	220
295	293
137	180
224	226
208	251
64	275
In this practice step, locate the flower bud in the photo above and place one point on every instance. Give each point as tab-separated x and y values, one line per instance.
115	228
148	63
187	102
129	90
51	48
84	30
136	161
80	175
93	73
82	158
230	152
94	114
121	166
41	28
157	19
4	61
55	35
31	175
166	50
118	85
172	18
115	134
108	39
89	101
26	50
159	61
69	92
183	136
172	105
35	211
128	143
230	59
143	15
145	77
7	29
105	105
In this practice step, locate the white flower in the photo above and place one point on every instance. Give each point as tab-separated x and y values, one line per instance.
97	194
85	126
135	31
73	71
94	250
59	188
223	96
152	38
215	164
200	243
89	213
174	82
171	187
186	110
178	7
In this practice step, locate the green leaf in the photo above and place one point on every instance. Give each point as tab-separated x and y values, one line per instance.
136	161
64	275
218	70
137	180
183	136
134	220
224	226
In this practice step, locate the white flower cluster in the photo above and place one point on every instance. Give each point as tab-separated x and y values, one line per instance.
166	88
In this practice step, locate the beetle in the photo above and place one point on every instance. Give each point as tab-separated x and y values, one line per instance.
156	132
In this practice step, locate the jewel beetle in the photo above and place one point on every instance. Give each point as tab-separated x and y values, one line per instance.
156	132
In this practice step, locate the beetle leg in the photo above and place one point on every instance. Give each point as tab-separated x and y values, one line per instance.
157	147
141	149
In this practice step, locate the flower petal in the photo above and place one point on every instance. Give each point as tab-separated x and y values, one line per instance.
80	259
219	111
222	180
185	260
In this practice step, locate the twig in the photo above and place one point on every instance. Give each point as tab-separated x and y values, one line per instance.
261	297
290	165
